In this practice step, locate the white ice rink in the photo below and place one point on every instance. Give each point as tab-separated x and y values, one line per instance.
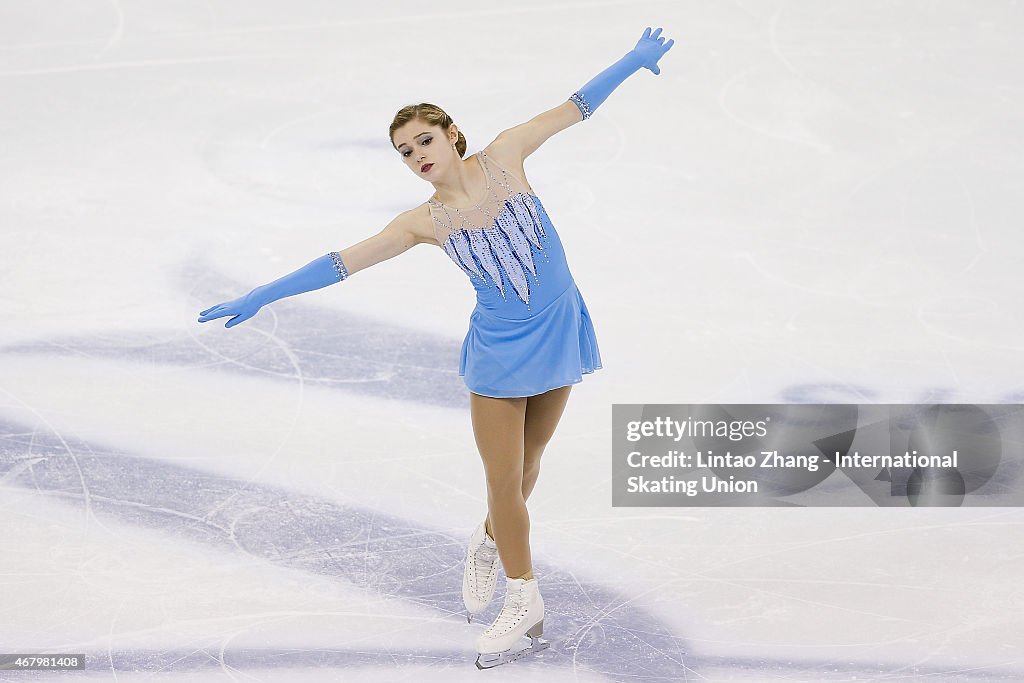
816	201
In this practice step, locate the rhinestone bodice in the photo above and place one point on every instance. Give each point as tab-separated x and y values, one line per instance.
506	244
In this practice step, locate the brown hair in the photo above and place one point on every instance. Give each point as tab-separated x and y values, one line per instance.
432	115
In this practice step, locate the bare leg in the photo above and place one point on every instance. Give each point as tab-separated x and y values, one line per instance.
498	425
542	415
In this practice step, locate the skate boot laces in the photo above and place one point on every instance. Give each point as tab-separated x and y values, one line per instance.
512	612
484	566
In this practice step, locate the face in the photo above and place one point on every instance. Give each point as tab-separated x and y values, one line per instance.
420	144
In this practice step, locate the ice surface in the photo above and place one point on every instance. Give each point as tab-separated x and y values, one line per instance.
814	202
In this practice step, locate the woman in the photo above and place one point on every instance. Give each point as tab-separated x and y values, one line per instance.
530	336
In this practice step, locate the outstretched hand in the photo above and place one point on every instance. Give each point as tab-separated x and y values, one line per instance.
651	47
243	308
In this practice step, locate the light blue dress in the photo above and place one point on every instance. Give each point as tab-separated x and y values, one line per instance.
530	330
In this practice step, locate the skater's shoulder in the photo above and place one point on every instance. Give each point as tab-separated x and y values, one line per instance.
421	223
410	227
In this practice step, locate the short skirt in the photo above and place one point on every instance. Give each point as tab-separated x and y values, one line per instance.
555	347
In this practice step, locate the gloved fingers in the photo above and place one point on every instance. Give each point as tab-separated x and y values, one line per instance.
653	43
212	313
219	311
652	47
241	317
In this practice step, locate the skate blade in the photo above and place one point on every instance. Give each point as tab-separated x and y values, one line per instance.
492	659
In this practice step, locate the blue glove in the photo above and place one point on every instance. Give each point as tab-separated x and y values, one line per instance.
647	52
326	270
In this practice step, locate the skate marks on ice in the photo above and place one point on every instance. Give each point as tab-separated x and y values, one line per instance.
382	553
289	341
590	627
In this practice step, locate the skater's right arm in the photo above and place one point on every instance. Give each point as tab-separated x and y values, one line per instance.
403	232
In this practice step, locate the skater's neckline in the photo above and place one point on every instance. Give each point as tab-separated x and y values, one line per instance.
487	190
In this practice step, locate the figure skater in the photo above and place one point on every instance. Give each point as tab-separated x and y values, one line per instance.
530	335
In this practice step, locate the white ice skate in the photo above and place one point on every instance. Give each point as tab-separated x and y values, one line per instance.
521	615
481	573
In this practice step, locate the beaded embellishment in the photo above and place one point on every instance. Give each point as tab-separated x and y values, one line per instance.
581	102
504	247
339	265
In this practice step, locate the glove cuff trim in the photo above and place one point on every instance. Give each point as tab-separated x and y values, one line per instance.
581	102
339	265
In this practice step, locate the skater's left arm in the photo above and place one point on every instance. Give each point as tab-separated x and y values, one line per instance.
526	138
